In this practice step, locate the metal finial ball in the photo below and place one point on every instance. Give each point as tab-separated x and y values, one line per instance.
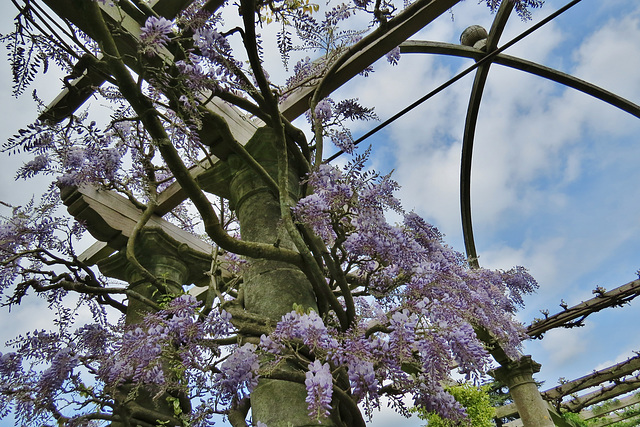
472	35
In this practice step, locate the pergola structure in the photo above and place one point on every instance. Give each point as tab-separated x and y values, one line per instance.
111	218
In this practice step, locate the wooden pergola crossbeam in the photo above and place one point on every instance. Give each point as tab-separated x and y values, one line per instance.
82	88
611	373
613	406
612	419
111	219
604	393
573	316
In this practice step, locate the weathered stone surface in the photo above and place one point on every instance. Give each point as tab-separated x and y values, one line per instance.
518	376
288	409
270	287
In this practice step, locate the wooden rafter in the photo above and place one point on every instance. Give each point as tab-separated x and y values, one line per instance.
613	406
605	392
111	218
574	316
615	418
611	373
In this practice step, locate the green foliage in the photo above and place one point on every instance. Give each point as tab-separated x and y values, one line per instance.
630	413
476	402
575	418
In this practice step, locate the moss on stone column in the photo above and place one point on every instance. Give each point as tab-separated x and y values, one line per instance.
518	376
271	288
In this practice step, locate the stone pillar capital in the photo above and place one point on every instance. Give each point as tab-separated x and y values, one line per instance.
517	372
163	256
173	263
518	376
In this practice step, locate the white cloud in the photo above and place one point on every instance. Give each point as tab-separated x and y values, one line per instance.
565	345
555	177
618	359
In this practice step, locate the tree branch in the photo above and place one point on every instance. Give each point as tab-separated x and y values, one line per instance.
149	117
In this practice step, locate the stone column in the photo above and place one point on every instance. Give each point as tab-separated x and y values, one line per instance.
518	376
175	265
270	288
171	262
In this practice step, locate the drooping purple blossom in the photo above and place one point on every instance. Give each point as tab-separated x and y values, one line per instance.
433	294
143	349
52	378
155	34
32	167
393	56
351	109
437	400
89	164
307	328
337	14
323	111
362	378
319	384
343	140
239	373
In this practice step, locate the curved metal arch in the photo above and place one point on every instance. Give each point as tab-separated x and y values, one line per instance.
476	96
479	82
415	46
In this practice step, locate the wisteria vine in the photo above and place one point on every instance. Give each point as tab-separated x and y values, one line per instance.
397	309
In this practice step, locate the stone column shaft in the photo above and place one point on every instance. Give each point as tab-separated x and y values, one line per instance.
270	287
174	265
518	376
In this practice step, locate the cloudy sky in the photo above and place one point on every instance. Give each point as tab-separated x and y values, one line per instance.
555	184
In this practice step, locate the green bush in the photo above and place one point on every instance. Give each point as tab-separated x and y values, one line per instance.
476	402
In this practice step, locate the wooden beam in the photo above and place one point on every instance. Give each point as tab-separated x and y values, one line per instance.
99	250
605	393
612	419
82	88
398	29
611	373
610	407
111	218
573	316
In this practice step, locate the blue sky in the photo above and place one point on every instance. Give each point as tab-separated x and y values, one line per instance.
555	184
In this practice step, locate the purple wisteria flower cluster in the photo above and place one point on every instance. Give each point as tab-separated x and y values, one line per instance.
433	300
397	309
77	153
319	383
155	35
172	353
171	336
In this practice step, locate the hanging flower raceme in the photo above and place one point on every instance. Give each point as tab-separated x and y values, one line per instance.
155	35
172	336
239	374
433	299
319	383
323	111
